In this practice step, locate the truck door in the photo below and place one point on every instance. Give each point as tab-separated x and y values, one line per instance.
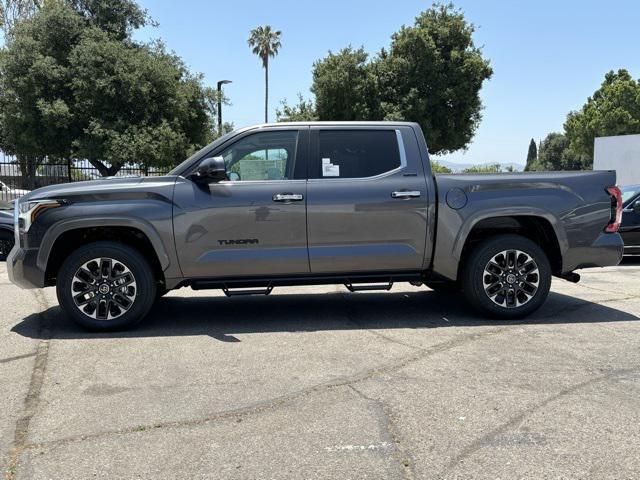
366	200
253	224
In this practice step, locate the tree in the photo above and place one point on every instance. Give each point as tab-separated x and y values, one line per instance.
303	111
265	43
532	156
35	99
345	87
614	109
12	11
490	168
431	74
72	89
437	167
135	104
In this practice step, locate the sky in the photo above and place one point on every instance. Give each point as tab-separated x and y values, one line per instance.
547	56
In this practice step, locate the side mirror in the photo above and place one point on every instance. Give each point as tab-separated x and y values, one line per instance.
212	170
636	206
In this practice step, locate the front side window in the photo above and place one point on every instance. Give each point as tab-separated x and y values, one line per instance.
262	156
356	153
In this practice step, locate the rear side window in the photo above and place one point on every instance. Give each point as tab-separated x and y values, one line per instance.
355	153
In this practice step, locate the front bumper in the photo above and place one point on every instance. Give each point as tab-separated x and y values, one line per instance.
23	269
605	251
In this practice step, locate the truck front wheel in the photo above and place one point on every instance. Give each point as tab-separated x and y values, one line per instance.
106	286
506	276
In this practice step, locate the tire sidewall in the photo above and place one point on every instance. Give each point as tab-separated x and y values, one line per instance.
474	272
145	284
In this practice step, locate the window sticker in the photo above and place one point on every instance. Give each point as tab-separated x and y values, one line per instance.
329	169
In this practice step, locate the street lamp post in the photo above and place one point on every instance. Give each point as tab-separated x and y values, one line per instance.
220	83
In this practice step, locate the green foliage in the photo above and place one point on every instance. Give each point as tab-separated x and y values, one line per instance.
490	168
266	44
556	154
345	87
439	168
532	155
432	74
303	111
143	106
74	85
614	109
12	11
118	18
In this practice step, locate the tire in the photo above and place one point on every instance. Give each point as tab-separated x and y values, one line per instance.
444	287
7	240
518	295
116	306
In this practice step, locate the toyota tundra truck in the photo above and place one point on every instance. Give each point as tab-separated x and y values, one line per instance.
313	203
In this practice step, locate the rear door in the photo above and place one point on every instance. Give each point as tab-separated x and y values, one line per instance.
253	224
366	200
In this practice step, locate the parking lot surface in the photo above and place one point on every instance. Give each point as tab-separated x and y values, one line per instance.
315	382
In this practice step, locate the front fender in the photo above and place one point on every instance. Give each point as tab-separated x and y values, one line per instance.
63	226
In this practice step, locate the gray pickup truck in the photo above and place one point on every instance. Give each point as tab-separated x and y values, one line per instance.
313	203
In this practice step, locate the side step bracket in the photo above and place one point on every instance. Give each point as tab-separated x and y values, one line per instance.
368	287
247	291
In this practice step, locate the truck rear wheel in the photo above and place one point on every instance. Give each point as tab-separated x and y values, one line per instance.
506	276
106	286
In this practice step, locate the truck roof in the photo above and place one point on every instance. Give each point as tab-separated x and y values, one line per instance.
330	123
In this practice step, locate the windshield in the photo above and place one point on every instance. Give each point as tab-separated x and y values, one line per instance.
5	205
629	192
217	142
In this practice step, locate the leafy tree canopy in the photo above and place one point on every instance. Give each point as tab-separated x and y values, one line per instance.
431	74
555	154
74	85
303	111
491	168
614	109
437	167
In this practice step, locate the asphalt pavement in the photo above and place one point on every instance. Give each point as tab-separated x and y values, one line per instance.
316	382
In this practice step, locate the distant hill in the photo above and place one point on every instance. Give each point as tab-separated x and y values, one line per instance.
458	167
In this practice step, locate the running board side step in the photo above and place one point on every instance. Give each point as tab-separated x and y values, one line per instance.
368	287
247	291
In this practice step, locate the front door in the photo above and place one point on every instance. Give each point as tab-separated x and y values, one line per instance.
253	224
367	200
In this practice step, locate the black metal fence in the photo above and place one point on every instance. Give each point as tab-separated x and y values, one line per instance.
13	183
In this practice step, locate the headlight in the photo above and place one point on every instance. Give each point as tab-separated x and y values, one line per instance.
27	212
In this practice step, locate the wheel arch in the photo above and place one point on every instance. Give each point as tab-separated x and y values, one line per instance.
543	229
62	238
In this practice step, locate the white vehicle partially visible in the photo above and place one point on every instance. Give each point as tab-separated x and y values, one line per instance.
7	193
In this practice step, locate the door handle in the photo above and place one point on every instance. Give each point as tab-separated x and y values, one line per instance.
406	194
287	197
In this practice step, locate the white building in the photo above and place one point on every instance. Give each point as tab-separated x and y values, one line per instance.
620	153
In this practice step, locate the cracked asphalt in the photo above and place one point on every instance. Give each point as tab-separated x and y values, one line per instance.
314	382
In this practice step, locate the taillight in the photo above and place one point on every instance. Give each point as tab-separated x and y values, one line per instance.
616	210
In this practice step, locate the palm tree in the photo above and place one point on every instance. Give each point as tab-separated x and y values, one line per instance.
265	43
